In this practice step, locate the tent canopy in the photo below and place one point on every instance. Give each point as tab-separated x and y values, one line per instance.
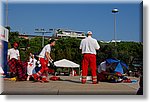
66	63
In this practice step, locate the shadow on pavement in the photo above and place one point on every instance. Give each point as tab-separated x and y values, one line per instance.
70	81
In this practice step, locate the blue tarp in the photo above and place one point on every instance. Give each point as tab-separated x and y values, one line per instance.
120	65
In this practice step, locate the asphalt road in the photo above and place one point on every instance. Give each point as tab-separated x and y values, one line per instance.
69	86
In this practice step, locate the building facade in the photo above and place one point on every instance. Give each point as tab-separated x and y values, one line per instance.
61	33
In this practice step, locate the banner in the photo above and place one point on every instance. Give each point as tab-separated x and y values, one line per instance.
3	33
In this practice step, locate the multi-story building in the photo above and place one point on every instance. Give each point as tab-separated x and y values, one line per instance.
60	33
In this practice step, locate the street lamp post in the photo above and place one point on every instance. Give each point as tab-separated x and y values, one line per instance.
43	32
114	11
54	32
43	39
6	14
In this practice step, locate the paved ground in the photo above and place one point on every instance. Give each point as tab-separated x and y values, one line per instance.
69	86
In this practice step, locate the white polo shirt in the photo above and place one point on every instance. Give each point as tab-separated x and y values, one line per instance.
13	53
47	48
33	62
89	45
102	67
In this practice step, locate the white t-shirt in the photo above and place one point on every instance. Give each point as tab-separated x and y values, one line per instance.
33	62
31	66
47	48
13	53
89	45
102	67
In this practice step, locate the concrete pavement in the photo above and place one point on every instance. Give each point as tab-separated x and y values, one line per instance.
69	86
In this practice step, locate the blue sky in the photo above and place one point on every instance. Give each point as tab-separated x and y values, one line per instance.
97	17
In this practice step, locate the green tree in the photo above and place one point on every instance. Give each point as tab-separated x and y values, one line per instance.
68	48
36	44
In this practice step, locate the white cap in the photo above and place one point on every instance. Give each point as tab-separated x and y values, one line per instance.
89	32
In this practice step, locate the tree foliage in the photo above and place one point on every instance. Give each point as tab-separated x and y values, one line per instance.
68	48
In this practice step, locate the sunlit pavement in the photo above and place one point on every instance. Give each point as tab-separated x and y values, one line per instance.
69	85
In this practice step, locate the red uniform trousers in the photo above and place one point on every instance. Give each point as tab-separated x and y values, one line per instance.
89	60
44	69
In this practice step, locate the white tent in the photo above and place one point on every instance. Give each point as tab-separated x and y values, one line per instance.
66	63
1	70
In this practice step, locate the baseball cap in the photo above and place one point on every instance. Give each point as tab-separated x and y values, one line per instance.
89	32
15	44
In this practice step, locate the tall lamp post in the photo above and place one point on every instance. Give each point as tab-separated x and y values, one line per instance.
6	22
43	32
54	32
115	11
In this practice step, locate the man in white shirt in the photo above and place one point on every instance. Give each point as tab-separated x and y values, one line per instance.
89	46
13	52
44	58
17	68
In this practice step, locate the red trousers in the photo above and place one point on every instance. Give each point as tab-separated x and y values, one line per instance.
44	68
89	60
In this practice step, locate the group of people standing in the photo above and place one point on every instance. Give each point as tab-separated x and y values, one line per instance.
18	68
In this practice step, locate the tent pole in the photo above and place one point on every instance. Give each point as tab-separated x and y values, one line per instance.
69	71
79	70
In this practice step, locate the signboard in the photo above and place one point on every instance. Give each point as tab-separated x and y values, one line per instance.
3	33
3	48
